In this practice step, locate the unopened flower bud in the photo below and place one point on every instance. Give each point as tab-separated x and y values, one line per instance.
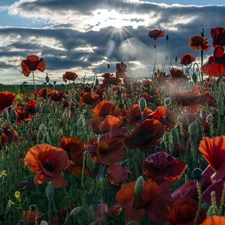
76	211
38	107
90	163
197	174
139	186
47	78
50	190
212	210
163	145
12	114
5	114
209	118
142	104
167	102
43	222
40	135
193	127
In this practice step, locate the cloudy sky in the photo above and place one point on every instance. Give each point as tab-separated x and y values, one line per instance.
83	36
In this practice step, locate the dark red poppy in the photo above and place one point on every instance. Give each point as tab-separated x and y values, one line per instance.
145	135
31	107
118	133
121	67
32	63
6	99
184	211
118	174
189	188
12	134
199	43
155	34
146	83
177	74
32	217
187	59
70	76
191	99
21	113
162	165
155	201
55	95
218	36
110	151
47	162
95	122
134	113
113	80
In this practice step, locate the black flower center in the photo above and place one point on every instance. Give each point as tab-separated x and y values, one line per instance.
49	166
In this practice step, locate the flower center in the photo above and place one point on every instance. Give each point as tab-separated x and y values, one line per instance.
49	166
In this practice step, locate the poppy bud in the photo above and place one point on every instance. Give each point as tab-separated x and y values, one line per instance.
81	122
213	210
50	190
108	66
194	78
197	174
12	115
163	145
167	102
47	78
139	186
43	222
179	119
142	104
0	131
5	114
96	82
90	163
38	107
121	63
209	118
75	211
175	59
193	127
167	37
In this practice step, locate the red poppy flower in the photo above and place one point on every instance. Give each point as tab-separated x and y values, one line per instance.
155	200
95	122
6	99
213	150
32	63
218	36
184	211
159	113
46	162
121	67
187	59
189	189
213	68
111	151
31	107
89	98
177	74
155	34
118	133
21	113
12	134
43	92
146	83
199	43
70	76
118	174
113	81
145	135
134	113
214	220
191	99
32	217
163	166
55	95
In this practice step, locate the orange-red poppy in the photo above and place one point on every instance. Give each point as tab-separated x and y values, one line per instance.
104	108
31	107
213	68
43	92
145	135
89	98
46	162
199	43
218	36
162	165
56	95
32	63
95	122
184	211
118	174
213	150
70	76
32	217
12	134
155	200
155	34
187	59
214	220
110	151
6	99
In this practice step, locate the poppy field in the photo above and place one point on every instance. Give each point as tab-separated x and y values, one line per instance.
120	150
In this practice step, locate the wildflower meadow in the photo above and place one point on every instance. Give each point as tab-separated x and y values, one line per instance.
119	150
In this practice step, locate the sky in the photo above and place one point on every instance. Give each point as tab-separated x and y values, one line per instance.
84	36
